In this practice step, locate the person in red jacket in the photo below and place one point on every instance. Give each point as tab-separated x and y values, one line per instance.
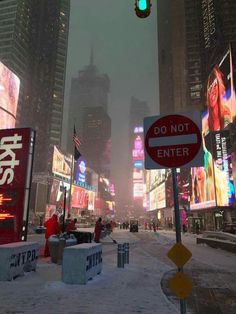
52	227
71	226
97	230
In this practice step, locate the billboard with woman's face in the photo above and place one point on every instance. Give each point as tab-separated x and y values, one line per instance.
9	93
212	185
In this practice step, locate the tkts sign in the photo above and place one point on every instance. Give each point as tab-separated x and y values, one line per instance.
16	157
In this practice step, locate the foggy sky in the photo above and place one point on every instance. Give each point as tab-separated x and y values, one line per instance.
125	48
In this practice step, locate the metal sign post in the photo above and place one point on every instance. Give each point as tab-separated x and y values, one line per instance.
64	210
177	227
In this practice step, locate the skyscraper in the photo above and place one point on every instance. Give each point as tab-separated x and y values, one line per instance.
192	36
172	56
88	112
33	44
89	89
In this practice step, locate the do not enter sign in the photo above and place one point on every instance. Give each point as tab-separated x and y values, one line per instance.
173	141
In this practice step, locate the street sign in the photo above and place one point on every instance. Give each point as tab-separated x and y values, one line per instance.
180	285
173	141
179	254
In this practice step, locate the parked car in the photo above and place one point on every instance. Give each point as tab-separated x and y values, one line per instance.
230	228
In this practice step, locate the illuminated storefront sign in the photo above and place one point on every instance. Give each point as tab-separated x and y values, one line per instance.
16	157
9	93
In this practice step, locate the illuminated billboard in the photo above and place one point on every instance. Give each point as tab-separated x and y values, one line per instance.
138	164
138	152
16	158
157	197
212	185
9	93
80	171
79	198
61	163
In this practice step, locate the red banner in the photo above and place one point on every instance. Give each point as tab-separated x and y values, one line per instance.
16	151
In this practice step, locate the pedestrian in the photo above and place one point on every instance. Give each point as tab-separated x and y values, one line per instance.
52	227
184	228
197	226
72	225
145	226
98	229
154	227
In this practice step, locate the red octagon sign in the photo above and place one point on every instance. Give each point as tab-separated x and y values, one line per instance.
173	141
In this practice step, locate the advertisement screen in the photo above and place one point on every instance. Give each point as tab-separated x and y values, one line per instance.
157	197
16	151
9	93
80	197
138	152
212	185
80	171
61	164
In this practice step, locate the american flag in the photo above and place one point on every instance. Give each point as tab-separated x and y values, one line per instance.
77	144
76	140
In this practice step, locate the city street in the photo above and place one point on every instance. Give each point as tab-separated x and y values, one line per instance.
139	287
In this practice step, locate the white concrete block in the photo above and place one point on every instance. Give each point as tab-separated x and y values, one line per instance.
17	258
81	262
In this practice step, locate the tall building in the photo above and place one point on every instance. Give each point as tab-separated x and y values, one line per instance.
88	112
97	143
89	89
33	44
210	28
192	36
172	56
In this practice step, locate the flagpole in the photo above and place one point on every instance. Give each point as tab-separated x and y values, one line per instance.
71	182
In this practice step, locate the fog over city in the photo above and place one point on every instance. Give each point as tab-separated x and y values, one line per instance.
125	48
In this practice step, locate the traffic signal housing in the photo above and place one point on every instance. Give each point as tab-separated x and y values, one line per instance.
143	8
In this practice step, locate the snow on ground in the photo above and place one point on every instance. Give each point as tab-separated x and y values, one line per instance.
200	252
133	289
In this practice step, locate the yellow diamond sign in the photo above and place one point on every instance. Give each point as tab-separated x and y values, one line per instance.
180	285
179	254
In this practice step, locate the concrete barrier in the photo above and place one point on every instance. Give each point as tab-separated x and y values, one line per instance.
220	235
81	262
17	258
216	243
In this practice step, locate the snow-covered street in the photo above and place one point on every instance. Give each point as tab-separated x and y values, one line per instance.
139	287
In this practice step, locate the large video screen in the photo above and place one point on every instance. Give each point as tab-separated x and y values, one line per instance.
9	93
212	185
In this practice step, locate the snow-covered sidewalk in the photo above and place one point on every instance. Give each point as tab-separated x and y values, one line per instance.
132	289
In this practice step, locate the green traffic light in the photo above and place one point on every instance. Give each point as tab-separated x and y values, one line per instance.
142	5
143	8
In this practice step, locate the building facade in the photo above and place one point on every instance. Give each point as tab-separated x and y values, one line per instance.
205	57
33	45
89	89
